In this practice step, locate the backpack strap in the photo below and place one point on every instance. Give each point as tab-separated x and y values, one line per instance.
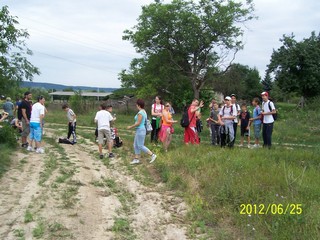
192	115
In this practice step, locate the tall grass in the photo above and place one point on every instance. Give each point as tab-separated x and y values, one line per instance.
8	144
217	181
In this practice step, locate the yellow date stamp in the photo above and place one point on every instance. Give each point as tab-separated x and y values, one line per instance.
271	208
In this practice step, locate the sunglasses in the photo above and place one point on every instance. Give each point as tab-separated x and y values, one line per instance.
167	105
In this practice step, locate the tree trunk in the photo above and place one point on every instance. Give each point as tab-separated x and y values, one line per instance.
196	93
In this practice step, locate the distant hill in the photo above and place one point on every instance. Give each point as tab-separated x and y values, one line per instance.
59	87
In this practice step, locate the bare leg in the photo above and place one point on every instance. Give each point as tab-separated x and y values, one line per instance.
100	149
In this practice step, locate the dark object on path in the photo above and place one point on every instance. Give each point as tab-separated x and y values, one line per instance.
65	141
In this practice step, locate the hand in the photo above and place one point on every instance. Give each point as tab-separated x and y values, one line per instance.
114	118
129	127
222	123
201	104
174	121
248	128
251	119
239	124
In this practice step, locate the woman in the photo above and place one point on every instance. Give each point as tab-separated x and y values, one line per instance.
156	112
139	125
166	131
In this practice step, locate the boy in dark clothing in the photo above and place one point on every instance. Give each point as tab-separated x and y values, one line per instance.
244	123
214	124
24	114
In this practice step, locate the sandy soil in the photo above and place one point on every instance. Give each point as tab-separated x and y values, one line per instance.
68	193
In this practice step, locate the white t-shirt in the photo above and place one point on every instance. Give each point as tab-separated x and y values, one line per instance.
227	112
157	108
37	110
103	119
237	107
70	116
265	108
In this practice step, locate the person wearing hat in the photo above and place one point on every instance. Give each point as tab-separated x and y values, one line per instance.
24	114
236	120
8	107
226	118
268	109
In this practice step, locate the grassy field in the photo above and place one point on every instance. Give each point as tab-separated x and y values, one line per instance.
240	193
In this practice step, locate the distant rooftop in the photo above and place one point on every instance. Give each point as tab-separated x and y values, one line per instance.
84	94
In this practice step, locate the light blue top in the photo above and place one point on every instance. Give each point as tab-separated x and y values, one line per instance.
256	113
144	117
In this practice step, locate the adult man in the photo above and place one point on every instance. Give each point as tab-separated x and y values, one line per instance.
268	109
190	132
226	119
103	119
9	107
36	125
24	114
235	121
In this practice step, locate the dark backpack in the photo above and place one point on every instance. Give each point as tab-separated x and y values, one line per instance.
185	121
275	116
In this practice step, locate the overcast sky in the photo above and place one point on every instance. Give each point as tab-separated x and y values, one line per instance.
78	42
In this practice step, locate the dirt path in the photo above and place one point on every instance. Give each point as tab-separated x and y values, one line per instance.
68	193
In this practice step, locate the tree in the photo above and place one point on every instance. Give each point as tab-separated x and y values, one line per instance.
194	38
296	65
267	83
240	80
14	66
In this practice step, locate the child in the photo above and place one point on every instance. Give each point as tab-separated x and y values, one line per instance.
244	123
103	119
72	122
226	117
256	120
214	124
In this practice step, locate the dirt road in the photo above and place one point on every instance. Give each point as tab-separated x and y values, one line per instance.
68	193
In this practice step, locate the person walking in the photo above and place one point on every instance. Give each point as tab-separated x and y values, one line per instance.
268	109
166	131
103	119
72	123
190	132
8	107
156	112
226	117
236	120
36	125
140	135
24	114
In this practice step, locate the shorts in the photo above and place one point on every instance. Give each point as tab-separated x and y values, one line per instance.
244	131
35	132
257	130
25	128
104	133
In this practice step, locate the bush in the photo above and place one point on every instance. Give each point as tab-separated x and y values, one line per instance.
7	136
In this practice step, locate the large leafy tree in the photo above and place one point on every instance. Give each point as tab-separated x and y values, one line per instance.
192	39
14	65
241	80
296	65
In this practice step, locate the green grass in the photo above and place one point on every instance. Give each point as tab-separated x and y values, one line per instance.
5	159
28	217
39	230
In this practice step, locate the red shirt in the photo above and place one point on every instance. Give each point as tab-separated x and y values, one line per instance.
192	116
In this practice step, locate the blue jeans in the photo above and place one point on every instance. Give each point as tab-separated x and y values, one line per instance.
267	134
138	143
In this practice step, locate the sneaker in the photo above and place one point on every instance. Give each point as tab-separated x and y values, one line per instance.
29	148
24	145
101	156
153	158
250	146
135	161
240	145
40	150
111	155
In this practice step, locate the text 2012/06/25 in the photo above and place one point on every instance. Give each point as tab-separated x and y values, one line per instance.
271	208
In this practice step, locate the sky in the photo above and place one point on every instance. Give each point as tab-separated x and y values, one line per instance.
79	42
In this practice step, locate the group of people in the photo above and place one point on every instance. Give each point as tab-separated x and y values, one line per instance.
223	122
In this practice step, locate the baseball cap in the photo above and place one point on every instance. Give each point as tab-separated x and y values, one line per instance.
227	98
265	93
8	99
233	95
